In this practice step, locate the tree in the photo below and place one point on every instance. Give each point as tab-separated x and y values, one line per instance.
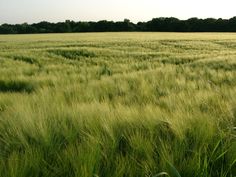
156	24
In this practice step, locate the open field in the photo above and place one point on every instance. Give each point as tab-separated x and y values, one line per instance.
118	105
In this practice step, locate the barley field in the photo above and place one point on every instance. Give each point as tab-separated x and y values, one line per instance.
118	105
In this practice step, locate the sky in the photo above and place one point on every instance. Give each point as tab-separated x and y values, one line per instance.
33	11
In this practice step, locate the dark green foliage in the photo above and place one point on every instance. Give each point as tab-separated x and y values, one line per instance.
156	24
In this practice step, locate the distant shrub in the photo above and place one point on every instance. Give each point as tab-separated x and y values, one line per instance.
16	86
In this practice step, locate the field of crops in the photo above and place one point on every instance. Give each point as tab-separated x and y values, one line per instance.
118	105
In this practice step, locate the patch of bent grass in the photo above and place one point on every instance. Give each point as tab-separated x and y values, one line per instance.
16	86
72	54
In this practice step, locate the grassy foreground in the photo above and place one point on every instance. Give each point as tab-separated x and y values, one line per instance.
118	105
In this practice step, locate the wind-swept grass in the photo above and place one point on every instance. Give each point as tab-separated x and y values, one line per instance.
118	104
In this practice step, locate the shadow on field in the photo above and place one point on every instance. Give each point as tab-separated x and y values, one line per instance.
26	59
17	86
72	54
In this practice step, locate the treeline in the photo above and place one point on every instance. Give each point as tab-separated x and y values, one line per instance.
156	24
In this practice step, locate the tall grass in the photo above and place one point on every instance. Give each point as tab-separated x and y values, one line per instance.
118	104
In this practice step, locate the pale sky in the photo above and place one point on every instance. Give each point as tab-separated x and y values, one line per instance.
33	11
